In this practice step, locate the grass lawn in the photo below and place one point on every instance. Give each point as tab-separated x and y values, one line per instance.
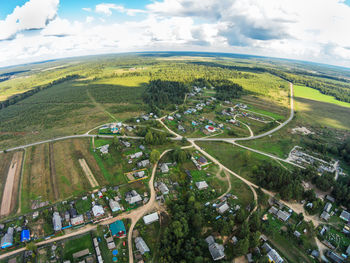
242	191
314	94
235	158
77	244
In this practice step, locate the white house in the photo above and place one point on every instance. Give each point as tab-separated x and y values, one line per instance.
148	219
97	210
202	185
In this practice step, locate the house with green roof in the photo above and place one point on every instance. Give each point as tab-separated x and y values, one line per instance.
118	229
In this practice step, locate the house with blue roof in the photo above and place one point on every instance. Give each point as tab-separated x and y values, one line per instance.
118	229
25	235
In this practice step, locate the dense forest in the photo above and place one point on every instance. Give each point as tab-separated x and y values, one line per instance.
180	241
18	97
289	184
226	90
162	93
275	178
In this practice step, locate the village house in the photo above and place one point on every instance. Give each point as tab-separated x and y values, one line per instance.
98	211
216	250
164	168
136	155
132	197
282	215
202	161
126	144
210	128
334	257
114	205
148	219
327	207
104	148
163	188
141	245
143	163
345	215
118	229
139	174
274	256
78	220
222	208
7	239
273	210
202	185
25	235
325	216
57	221
181	128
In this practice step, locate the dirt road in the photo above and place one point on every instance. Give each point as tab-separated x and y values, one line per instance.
88	173
10	193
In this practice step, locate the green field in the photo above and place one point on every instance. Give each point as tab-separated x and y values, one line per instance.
77	244
235	158
313	94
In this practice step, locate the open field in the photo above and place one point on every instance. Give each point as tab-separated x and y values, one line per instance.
235	158
322	114
36	182
71	180
10	193
43	182
267	86
313	94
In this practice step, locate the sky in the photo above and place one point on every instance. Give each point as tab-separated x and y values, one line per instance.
311	30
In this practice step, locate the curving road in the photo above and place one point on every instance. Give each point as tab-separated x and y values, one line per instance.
136	214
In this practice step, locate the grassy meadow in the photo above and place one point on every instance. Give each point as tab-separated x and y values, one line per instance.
235	158
313	94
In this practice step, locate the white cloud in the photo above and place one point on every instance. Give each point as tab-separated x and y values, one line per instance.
289	28
314	30
87	9
106	9
34	14
89	19
62	27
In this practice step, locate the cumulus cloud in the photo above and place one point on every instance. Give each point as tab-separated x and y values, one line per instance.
62	27
34	14
106	8
312	30
294	28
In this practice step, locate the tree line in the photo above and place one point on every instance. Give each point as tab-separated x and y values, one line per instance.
18	97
